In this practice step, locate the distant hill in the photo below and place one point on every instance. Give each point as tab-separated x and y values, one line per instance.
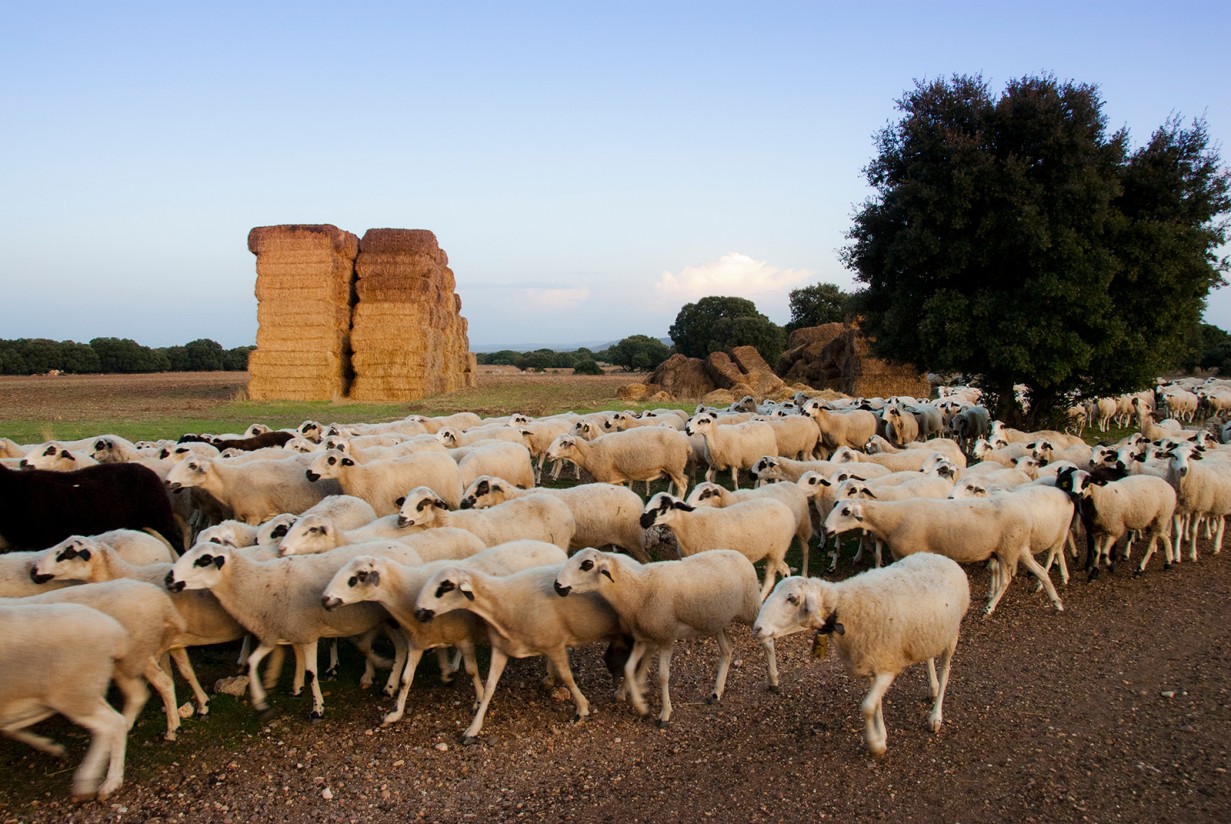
594	346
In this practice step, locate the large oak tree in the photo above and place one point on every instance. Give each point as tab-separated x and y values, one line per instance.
1016	240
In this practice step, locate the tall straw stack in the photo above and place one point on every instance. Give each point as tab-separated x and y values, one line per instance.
408	337
305	294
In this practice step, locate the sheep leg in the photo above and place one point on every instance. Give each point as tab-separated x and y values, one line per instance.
108	740
331	671
1154	536
632	680
413	657
996	586
256	690
724	666
1031	564
446	666
803	555
933	683
310	665
165	687
559	659
494	670
771	663
937	717
873	716
135	696
664	681
1222	525
274	670
39	742
770	577
180	656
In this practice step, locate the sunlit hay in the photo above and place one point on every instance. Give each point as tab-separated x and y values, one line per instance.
408	337
305	298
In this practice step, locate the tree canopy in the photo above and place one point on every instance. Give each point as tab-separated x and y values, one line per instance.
1014	239
638	353
817	304
717	323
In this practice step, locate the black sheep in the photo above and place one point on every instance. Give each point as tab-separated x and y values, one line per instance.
39	508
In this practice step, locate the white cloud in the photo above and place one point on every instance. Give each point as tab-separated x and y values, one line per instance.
733	274
556	299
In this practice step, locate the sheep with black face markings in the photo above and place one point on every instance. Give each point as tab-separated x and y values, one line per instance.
604	514
525	618
794	495
757	529
395	586
380	482
735	447
882	621
659	603
536	517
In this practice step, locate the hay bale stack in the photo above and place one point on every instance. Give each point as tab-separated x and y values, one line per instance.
850	368
681	377
305	293
408	337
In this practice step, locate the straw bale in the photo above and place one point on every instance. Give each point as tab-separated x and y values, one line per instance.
723	371
682	377
756	372
632	392
815	334
720	397
401	242
326	236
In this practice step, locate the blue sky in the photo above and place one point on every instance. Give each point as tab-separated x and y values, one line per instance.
589	168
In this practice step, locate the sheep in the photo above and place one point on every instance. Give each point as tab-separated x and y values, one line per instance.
643	454
969	424
510	461
734	447
604	514
206	622
39	508
852	428
538	517
793	495
1203	490
539	434
381	482
999	433
314	534
278	601
524	618
901	425
907	460
882	621
396	586
253	492
888	488
1112	508
968	531
775	468
59	658
342	511
56	458
666	601
758	529
453	438
151	622
797	436
946	446
1045	452
984	452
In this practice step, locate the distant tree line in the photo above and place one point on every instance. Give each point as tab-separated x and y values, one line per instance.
36	356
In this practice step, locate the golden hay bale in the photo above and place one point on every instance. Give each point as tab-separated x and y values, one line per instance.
632	392
325	236
402	242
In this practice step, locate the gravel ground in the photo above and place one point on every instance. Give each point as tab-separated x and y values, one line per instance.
1117	709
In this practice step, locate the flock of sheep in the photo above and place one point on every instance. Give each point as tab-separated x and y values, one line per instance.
437	534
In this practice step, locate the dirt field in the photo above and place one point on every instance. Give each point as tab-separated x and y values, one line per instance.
1117	709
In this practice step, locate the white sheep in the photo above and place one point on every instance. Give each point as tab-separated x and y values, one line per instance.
663	602
1203	490
536	517
968	531
604	514
757	529
794	495
776	468
841	428
279	602
1112	509
151	623
882	621
453	438
524	618
735	447
396	586
510	461
205	621
254	492
381	482
797	436
946	446
59	658
643	454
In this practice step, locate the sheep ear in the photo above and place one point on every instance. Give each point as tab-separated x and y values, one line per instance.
869	493
83	554
401	499
439	504
374	578
219	560
347	462
464	589
683	507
